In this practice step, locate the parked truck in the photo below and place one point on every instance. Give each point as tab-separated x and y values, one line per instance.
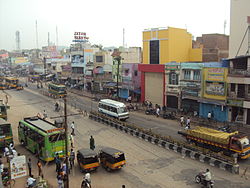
217	141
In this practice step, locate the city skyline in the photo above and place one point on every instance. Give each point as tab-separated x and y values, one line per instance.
104	21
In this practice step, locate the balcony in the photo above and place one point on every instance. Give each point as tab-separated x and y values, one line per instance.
242	72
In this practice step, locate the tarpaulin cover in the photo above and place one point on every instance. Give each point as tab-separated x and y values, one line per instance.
211	134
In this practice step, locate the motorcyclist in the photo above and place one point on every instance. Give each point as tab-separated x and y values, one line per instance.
207	176
31	182
86	179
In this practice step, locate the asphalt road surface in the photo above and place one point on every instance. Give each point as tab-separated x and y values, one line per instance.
148	166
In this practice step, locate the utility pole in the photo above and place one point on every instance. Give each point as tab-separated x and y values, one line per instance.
118	59
66	141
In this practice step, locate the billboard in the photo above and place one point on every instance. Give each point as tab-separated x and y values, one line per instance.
215	88
18	167
77	59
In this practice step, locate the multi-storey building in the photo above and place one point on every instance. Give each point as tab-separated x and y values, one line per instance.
239	22
191	85
238	98
214	47
214	91
161	46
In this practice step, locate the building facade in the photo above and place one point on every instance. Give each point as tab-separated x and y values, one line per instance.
214	47
214	93
238	98
131	81
191	85
172	85
163	45
239	13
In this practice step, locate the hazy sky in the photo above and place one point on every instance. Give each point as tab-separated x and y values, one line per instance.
104	20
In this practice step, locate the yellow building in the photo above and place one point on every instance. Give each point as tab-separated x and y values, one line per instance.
163	45
215	83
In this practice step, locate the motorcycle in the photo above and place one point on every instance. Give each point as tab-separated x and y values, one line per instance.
85	184
150	111
168	115
200	179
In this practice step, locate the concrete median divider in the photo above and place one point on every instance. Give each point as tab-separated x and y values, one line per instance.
166	144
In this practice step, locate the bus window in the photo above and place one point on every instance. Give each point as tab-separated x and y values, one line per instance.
57	137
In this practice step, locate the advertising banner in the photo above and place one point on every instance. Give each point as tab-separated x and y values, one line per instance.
215	74
215	88
18	167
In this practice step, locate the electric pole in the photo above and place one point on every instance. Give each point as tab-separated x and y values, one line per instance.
66	142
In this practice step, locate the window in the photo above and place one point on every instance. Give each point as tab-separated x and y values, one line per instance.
4	130
57	137
154	52
187	75
99	59
232	87
173	78
135	72
197	75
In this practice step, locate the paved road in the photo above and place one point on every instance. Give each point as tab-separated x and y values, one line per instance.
147	165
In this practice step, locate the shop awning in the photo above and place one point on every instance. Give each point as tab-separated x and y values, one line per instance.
110	84
210	101
137	91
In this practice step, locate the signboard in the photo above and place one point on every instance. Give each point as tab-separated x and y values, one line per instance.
80	37
18	167
215	88
215	74
234	102
171	67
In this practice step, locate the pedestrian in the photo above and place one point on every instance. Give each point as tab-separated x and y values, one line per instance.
188	123
92	142
73	128
72	141
11	146
64	169
6	151
1	166
60	181
29	166
39	166
58	163
209	116
72	158
157	111
182	121
44	114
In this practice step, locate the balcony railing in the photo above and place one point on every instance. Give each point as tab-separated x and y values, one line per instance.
239	72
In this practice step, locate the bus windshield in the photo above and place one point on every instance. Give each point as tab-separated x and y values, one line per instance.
57	137
4	130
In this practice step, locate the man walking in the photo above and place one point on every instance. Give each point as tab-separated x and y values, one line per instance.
182	121
188	123
39	166
72	158
92	142
73	128
58	163
29	166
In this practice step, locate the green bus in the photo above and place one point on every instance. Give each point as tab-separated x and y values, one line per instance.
42	138
57	90
6	136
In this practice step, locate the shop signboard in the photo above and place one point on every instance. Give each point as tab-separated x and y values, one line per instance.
171	67
215	74
215	88
18	167
235	102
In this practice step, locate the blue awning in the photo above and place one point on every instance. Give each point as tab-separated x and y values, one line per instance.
110	84
137	91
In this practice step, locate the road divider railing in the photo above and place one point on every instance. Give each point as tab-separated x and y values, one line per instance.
186	150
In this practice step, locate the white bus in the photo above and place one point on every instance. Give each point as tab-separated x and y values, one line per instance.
113	108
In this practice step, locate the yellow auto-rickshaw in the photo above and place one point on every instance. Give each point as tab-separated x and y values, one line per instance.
88	160
112	159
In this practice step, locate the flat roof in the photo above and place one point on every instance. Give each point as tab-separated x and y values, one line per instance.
110	151
87	152
120	104
41	124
